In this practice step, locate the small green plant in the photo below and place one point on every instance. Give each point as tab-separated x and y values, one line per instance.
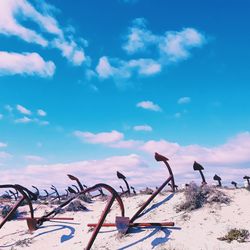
241	235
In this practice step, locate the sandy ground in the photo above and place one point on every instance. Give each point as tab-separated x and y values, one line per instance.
198	229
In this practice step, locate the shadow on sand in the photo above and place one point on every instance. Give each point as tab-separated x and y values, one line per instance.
159	240
154	206
155	242
64	237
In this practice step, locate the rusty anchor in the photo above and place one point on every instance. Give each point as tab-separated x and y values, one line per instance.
159	158
134	192
234	184
25	196
114	196
199	167
123	177
124	223
247	178
73	178
56	192
217	178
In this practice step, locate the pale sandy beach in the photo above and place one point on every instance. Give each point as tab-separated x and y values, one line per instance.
198	229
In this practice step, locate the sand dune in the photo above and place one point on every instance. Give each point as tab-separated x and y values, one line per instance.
197	229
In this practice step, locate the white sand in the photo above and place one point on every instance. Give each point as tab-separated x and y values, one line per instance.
196	230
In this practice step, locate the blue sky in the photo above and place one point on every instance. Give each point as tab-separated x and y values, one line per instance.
85	83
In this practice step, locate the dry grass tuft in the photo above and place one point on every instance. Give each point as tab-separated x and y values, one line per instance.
241	235
197	196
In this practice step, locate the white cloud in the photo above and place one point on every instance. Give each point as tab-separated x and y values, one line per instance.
9	24
184	100
90	171
25	64
43	123
41	112
227	160
33	158
234	151
139	37
145	67
161	50
142	128
126	69
148	105
3	145
173	45
102	138
30	119
70	50
4	155
1	116
132	144
104	69
176	45
25	119
11	11
140	171
23	110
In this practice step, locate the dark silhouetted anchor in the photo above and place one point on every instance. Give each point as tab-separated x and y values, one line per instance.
247	178
217	178
198	167
234	183
133	190
121	176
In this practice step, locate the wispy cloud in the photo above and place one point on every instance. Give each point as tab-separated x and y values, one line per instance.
129	144
149	105
125	69
161	50
48	34
142	128
23	110
25	64
234	151
104	69
233	154
29	116
99	138
33	158
139	38
132	165
24	119
113	139
171	46
41	112
1	116
184	100
3	145
4	155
